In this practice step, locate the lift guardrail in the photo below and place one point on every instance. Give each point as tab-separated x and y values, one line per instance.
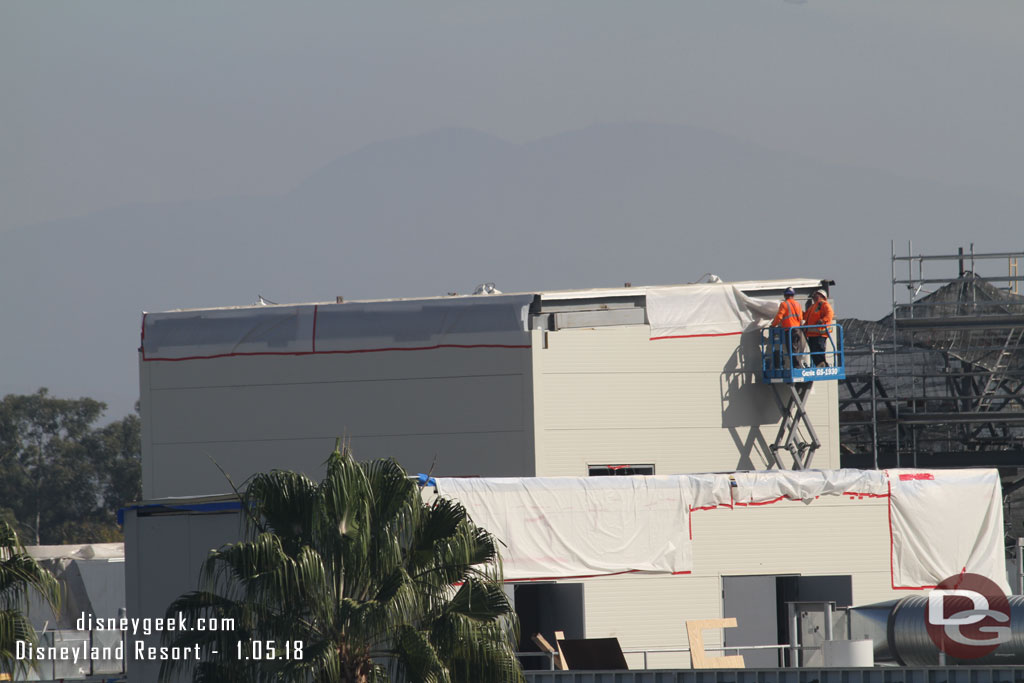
785	358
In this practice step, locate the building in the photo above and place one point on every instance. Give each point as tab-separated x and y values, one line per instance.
538	384
640	380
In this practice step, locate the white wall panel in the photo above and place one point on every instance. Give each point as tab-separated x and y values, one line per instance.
685	405
163	557
291	411
832	535
181	467
468	408
592	349
651	612
325	367
671	450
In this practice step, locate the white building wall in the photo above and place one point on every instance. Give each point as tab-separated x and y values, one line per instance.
610	395
163	558
462	411
833	536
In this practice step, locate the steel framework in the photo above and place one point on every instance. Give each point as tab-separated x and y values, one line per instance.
940	381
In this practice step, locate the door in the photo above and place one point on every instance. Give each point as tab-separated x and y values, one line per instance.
753	601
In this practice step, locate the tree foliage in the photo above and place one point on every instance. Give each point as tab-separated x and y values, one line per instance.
19	575
376	584
62	477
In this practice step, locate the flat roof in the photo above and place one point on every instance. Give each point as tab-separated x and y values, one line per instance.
547	295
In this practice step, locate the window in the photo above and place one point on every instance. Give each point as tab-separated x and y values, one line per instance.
619	470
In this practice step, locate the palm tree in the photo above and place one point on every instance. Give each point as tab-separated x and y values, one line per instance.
19	575
354	579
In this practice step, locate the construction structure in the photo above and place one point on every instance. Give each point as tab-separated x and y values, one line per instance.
784	553
539	395
940	381
650	380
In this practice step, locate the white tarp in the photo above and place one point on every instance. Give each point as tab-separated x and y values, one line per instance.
567	526
705	310
89	551
945	522
939	523
758	488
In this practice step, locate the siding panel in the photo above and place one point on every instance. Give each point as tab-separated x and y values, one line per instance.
465	411
613	396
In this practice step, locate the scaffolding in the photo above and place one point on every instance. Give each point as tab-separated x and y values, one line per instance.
940	381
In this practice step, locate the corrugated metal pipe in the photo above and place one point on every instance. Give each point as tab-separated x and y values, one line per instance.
899	631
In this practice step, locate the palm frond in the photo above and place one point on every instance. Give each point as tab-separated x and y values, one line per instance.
20	575
378	586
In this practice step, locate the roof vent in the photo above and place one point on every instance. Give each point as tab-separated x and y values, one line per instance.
486	288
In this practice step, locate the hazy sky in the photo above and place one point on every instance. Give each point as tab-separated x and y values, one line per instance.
113	102
110	103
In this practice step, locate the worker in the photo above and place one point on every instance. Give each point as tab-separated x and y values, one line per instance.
818	318
790	316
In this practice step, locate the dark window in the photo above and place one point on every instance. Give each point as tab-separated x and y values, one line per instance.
619	470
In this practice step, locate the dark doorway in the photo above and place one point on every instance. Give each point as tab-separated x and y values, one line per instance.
759	605
545	608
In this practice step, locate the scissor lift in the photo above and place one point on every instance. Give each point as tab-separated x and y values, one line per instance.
794	372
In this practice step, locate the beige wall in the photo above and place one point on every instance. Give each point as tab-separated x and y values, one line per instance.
578	397
831	536
612	396
464	411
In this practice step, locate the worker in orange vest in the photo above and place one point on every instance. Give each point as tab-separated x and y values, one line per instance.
790	315
819	317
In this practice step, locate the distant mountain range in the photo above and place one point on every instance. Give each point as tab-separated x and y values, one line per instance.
447	210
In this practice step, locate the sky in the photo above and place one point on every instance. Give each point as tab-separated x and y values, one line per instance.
116	102
113	102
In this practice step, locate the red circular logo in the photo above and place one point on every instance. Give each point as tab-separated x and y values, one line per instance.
968	616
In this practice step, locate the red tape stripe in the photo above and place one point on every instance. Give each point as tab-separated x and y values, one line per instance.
892	568
587	576
319	353
691	336
315	311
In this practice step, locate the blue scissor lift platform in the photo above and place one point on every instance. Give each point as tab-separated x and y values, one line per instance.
787	363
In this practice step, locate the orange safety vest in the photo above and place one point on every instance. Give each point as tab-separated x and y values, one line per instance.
790	314
818	314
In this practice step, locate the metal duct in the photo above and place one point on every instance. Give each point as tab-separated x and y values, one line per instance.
872	621
899	632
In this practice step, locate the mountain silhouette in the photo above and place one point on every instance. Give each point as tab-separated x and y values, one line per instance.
447	210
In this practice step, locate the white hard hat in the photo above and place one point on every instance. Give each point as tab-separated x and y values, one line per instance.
821	292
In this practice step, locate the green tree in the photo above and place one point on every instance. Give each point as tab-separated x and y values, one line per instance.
375	584
61	477
114	452
19	574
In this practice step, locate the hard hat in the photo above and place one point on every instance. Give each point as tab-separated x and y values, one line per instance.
821	292
789	292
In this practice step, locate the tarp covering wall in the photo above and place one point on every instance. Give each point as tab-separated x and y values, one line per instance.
939	523
946	522
498	320
705	310
93	582
559	527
